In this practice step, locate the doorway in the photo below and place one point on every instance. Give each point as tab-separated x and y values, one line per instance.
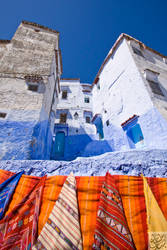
59	144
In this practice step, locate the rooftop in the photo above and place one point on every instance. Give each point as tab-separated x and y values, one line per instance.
127	37
39	26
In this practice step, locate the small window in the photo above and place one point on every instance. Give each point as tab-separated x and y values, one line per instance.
33	87
2	115
86	99
107	123
87	119
76	116
64	94
63	118
135	133
98	85
155	88
137	51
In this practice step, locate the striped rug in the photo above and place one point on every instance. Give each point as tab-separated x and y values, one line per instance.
156	221
111	231
62	229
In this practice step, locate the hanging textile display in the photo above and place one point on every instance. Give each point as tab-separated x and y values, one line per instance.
18	229
157	224
62	229
88	193
111	231
132	195
6	190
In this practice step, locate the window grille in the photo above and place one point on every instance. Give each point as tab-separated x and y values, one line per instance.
2	115
155	88
86	99
137	51
63	118
87	119
64	94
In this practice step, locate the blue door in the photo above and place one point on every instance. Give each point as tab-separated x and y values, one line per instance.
59	145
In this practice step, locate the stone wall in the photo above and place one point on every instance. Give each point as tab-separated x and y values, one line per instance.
28	59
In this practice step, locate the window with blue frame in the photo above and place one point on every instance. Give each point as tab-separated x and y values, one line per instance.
133	132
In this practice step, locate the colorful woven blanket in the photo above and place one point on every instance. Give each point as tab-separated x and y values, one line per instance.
130	188
18	229
111	231
62	229
6	191
157	223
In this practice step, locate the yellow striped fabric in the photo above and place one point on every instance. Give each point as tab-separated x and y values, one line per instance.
156	221
62	229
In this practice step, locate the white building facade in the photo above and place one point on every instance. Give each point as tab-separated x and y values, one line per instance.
73	129
130	96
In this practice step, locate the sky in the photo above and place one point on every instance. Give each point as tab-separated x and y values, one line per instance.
89	28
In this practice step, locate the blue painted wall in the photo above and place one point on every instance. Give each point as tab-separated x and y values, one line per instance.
153	130
42	138
25	137
150	127
16	134
74	145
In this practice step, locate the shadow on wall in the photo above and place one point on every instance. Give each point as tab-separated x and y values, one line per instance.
69	147
96	148
41	141
16	139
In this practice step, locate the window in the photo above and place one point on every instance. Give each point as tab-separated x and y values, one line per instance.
155	88
86	99
107	123
98	85
2	115
63	118
137	51
33	87
76	116
64	94
87	119
135	133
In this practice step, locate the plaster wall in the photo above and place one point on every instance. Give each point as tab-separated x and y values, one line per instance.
122	94
152	61
27	130
78	133
44	130
75	103
22	108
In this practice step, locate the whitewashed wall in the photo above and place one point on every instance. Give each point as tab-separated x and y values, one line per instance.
75	103
122	91
155	62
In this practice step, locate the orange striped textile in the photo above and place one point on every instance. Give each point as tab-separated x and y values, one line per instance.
111	231
88	193
18	229
132	194
62	229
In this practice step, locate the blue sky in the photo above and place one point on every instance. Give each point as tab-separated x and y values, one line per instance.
89	28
